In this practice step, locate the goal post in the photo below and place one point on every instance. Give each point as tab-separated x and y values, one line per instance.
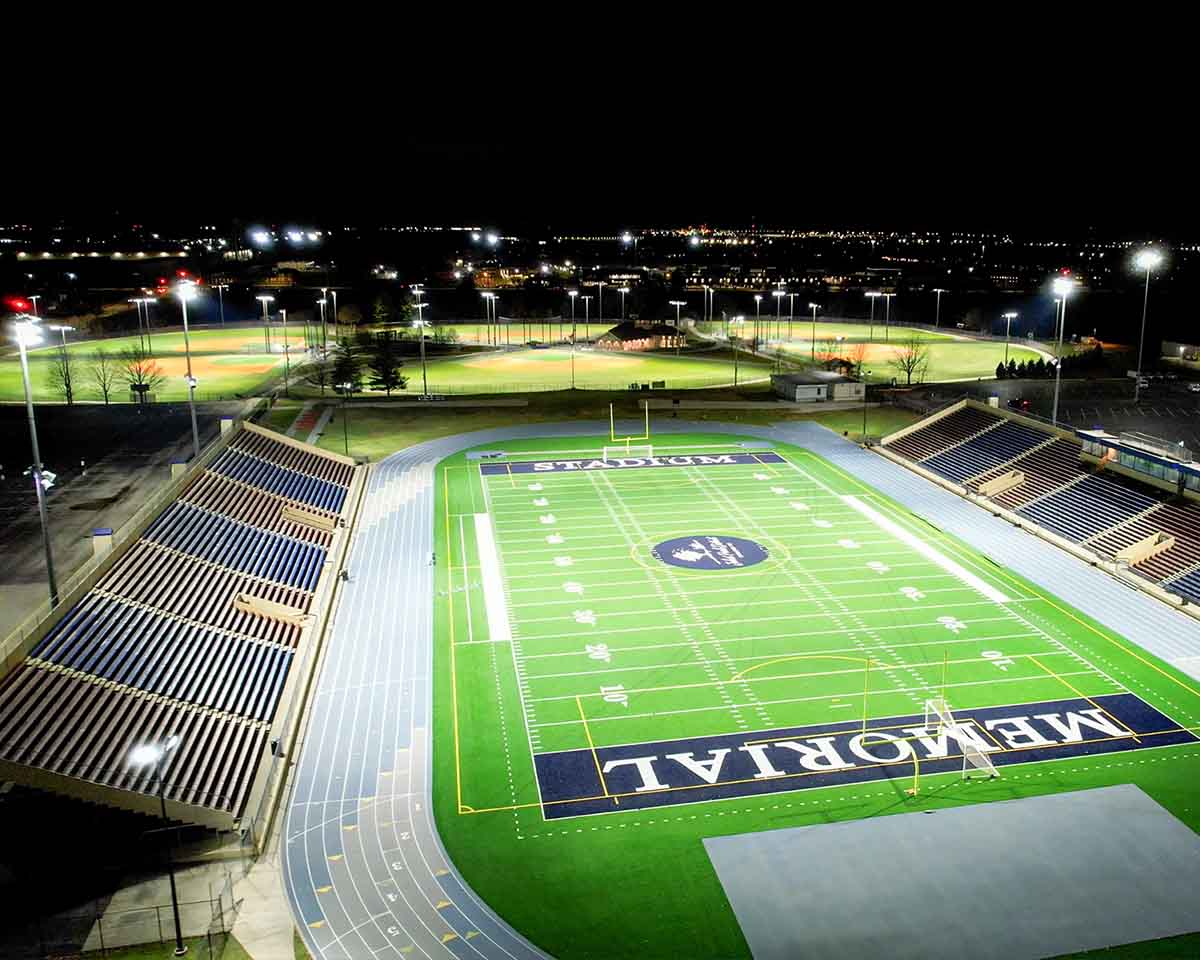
626	451
939	715
612	426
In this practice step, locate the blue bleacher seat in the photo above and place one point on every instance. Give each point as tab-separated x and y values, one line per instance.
1084	509
984	452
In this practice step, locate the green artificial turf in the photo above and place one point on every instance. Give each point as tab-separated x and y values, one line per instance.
637	883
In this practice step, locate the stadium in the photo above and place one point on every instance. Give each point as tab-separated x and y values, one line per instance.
501	692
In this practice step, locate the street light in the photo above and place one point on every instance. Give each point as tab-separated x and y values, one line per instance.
146	301
419	325
34	298
865	374
324	329
1146	260
144	755
677	304
739	321
778	295
1064	287
813	336
186	291
287	364
622	291
337	327
264	299
757	318
1010	317
572	294
887	316
600	303
348	386
137	305
871	335
221	288
791	313
27	336
587	310
937	317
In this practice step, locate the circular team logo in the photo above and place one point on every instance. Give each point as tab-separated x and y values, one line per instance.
710	552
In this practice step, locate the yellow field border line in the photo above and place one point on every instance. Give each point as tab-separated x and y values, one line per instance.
453	659
1031	588
595	758
1081	696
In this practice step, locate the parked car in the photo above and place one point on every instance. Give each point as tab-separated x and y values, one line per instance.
1194	387
1019	403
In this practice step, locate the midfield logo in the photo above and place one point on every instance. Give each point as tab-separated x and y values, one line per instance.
627	463
710	552
773	761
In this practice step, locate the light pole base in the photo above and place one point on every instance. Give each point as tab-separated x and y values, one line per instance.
180	951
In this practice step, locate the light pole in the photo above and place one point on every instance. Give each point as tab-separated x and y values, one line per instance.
677	304
487	307
185	292
1009	317
573	294
791	313
937	316
600	302
141	756
337	327
813	335
778	295
587	310
324	330
757	319
27	336
872	296
865	374
221	288
1146	260
264	299
1063	287
347	387
420	324
34	298
623	291
628	238
137	305
149	342
287	363
66	362
738	321
887	316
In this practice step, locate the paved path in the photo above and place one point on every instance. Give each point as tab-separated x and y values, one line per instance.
319	427
363	866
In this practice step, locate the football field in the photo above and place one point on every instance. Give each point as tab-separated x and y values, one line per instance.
727	636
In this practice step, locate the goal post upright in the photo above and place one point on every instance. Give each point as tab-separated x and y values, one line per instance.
612	428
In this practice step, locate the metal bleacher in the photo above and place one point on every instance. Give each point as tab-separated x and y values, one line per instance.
1108	513
192	632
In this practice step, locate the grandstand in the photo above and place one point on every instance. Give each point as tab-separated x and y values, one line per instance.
1063	483
194	631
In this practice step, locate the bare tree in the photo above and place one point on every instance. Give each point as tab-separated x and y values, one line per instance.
141	371
857	355
104	373
58	375
911	358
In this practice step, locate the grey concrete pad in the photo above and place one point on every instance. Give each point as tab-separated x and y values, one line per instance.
1014	879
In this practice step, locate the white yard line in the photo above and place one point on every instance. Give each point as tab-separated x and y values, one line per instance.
499	628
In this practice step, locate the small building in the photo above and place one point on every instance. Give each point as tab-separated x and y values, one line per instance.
817	385
637	336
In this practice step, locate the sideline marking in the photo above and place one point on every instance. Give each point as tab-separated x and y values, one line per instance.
592	748
925	550
499	628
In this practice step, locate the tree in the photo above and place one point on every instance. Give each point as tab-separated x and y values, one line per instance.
382	311
319	373
58	375
140	371
857	355
1001	370
384	362
1039	368
104	373
1012	369
444	335
348	362
911	358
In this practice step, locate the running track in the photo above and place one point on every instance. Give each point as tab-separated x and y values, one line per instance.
364	868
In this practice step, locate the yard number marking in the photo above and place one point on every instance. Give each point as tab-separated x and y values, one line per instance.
998	658
598	651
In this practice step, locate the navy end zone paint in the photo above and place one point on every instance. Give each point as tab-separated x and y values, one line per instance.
710	552
773	761
630	463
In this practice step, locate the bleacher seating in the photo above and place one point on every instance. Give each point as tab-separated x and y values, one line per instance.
158	646
941	434
1081	510
1060	493
984	452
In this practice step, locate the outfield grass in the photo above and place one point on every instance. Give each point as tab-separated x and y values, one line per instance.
949	359
524	370
611	646
225	362
549	331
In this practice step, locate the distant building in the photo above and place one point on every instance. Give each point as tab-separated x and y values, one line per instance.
639	336
816	385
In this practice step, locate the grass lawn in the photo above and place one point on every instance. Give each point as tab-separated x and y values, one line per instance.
520	371
224	362
948	359
624	637
517	332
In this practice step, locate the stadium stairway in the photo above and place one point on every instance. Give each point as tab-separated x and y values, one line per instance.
194	631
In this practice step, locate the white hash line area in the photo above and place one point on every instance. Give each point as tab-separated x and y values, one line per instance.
519	518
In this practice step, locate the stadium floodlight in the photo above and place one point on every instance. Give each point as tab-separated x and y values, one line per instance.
1064	287
872	295
186	291
813	336
419	325
264	299
1010	317
34	298
937	316
1147	260
622	291
26	333
221	288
